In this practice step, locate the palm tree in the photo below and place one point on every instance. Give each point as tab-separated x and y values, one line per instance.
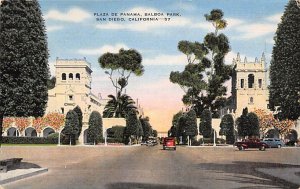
118	106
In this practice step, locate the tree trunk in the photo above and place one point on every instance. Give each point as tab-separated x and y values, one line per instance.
1	127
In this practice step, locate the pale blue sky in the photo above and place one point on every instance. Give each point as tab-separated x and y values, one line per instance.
73	32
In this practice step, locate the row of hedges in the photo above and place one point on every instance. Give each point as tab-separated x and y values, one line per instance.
208	141
28	140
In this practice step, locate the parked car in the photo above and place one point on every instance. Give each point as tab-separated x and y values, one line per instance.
292	143
251	143
273	142
169	143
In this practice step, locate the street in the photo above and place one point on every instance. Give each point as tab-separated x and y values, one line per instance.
83	167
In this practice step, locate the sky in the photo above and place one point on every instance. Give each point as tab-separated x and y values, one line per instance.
73	31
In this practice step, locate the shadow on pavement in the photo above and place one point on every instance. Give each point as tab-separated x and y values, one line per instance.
25	165
249	168
131	185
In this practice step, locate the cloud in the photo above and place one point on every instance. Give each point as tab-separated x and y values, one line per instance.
54	28
103	49
275	18
73	15
165	59
251	31
234	22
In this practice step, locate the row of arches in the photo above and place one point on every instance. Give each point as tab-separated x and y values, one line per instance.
29	132
64	76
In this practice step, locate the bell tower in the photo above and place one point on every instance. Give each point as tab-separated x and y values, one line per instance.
249	85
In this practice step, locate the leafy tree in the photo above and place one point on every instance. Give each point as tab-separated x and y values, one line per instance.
24	68
71	126
181	128
94	134
118	106
78	111
243	124
140	131
266	120
147	128
191	124
132	124
248	124
120	66
51	82
227	128
205	127
284	86
205	74
254	124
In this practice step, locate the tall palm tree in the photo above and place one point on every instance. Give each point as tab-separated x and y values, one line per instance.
119	106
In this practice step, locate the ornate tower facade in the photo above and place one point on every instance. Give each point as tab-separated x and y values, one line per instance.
249	85
73	88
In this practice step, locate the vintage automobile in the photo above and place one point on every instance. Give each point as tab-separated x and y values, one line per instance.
251	143
273	142
169	143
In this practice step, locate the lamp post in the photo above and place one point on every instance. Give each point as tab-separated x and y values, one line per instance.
59	132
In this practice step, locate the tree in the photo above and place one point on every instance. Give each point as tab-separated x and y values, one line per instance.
118	106
243	124
24	68
266	120
147	128
51	83
78	111
132	124
155	133
227	128
284	86
254	125
71	126
248	124
205	127
120	66
94	134
205	74
191	124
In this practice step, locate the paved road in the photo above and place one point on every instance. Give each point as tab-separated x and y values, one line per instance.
150	167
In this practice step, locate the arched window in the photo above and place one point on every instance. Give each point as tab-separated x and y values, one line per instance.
63	76
77	76
250	81
71	76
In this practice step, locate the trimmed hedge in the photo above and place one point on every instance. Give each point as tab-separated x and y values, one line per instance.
114	140
28	140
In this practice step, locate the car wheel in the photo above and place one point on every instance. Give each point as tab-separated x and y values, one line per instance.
175	148
241	148
278	146
164	148
262	148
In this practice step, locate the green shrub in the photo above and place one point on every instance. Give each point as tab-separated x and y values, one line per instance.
29	140
53	135
114	140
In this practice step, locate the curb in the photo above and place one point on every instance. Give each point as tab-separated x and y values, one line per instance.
22	176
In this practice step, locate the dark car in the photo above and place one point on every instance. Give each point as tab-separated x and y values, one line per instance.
251	143
273	142
169	143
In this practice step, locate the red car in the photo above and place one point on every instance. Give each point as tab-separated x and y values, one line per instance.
169	142
251	143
